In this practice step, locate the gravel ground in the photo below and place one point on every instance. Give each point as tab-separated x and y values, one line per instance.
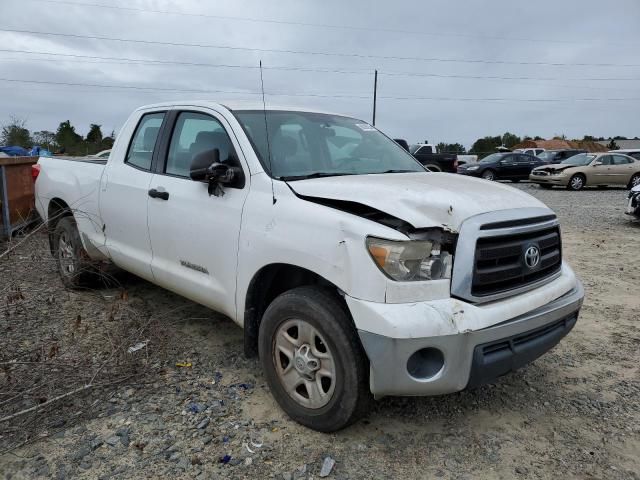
575	412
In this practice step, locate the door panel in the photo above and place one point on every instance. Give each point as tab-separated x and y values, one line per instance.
508	167
600	174
194	235
621	170
124	196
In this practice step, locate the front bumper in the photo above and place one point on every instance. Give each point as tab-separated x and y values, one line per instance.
549	179
633	207
471	357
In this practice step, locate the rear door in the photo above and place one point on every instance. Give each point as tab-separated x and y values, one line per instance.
195	236
123	195
621	170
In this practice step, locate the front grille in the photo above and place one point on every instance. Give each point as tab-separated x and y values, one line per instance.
499	263
541	173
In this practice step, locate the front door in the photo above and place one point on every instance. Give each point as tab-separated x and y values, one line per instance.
195	236
600	174
509	167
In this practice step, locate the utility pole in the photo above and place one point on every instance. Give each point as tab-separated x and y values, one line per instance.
375	94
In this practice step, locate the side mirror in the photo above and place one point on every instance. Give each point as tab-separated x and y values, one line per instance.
596	163
206	166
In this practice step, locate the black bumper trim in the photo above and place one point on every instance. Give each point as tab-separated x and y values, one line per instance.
499	357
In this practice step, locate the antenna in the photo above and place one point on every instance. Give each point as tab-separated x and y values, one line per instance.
266	131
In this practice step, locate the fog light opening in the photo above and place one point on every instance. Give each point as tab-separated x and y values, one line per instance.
425	363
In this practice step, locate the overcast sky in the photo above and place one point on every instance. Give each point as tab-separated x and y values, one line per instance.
540	42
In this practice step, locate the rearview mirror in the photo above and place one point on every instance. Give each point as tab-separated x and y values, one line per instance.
206	166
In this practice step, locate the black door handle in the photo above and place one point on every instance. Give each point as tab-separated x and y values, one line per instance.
153	193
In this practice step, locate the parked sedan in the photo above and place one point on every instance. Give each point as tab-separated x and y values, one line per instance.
502	166
589	169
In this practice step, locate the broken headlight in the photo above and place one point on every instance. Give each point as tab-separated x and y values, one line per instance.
411	260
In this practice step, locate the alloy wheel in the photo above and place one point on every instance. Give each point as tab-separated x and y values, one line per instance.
304	364
66	255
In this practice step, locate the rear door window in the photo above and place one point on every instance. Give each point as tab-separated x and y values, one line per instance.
143	141
620	160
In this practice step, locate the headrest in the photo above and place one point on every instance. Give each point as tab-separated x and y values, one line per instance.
285	145
149	138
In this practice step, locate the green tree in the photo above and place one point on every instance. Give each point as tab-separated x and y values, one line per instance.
450	148
15	133
510	139
95	134
68	139
107	142
485	146
45	138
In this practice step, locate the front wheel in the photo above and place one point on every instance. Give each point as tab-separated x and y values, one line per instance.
489	175
635	181
313	360
576	182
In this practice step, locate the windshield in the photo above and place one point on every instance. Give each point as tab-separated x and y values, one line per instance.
580	159
494	157
304	144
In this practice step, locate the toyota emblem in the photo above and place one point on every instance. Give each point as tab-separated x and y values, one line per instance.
532	256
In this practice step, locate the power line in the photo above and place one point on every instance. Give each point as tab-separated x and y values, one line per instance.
126	60
316	53
317	25
321	95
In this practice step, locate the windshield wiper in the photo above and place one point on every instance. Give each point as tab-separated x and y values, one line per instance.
314	175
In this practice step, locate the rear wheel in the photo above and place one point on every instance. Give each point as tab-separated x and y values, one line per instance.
74	265
576	182
489	175
635	180
313	360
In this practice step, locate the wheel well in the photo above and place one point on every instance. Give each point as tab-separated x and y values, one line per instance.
269	282
57	209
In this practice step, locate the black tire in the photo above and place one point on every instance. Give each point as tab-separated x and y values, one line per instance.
635	181
576	182
319	308
74	265
489	175
546	186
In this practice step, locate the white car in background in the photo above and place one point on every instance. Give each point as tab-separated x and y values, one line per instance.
530	151
104	154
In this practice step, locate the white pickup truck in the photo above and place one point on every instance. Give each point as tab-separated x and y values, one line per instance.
353	271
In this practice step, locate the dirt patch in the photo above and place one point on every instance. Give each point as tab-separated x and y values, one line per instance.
574	412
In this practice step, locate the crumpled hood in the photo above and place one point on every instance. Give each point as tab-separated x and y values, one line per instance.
421	199
555	166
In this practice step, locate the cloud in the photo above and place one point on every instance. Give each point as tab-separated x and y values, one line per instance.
569	32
